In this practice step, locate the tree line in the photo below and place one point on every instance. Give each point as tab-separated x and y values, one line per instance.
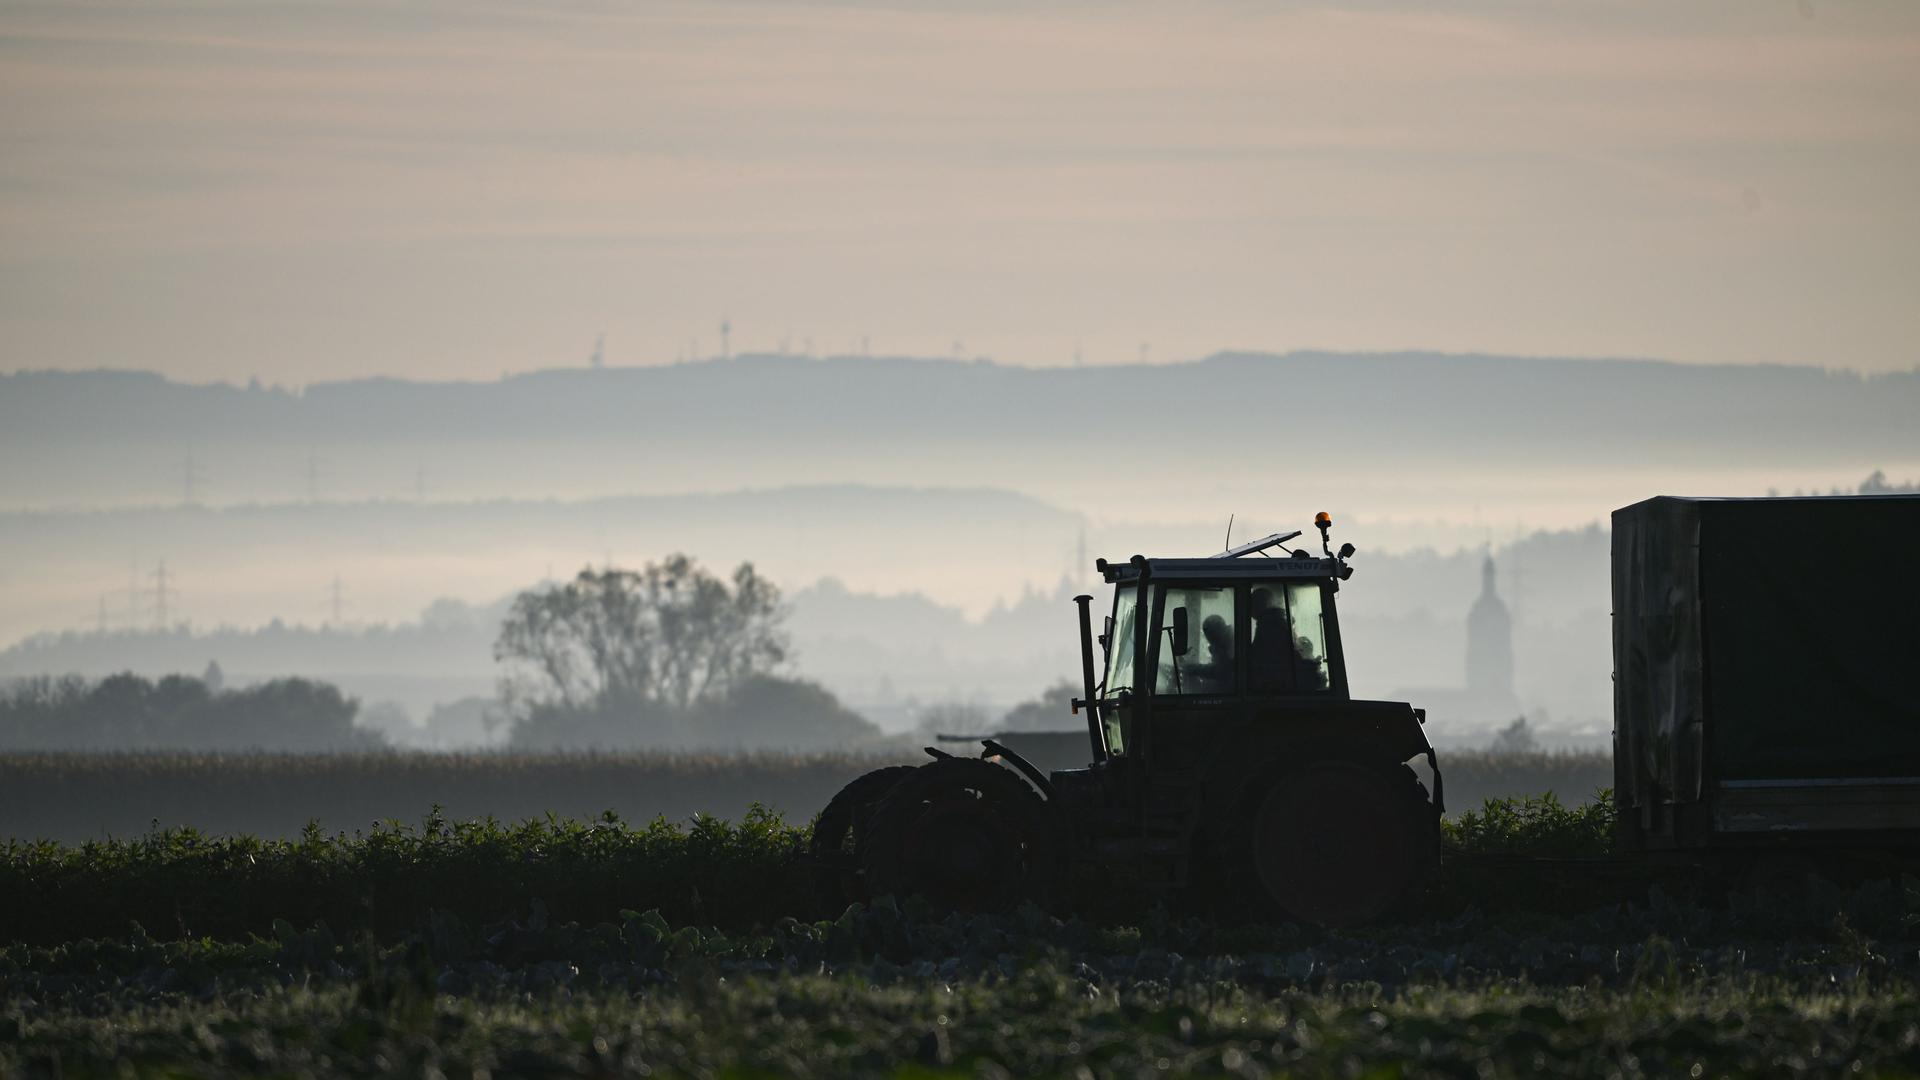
178	712
669	656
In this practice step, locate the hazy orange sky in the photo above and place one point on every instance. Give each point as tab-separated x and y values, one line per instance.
454	190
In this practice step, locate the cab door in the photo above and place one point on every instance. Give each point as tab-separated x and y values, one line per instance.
1195	658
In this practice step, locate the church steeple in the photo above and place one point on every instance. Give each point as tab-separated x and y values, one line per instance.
1489	639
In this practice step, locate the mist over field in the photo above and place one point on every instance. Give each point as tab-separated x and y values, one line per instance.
928	520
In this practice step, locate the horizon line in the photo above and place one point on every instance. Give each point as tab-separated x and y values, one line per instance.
1218	355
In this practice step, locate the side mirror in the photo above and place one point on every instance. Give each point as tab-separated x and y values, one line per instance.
1180	642
1346	551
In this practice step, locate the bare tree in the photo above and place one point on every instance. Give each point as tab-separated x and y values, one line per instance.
670	634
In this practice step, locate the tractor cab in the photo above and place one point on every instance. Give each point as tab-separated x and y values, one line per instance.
1246	638
1206	638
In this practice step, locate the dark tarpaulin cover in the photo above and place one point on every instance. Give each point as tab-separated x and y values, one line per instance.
1812	637
1765	639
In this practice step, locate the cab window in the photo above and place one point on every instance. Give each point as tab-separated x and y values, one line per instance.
1119	643
1207	664
1288	650
1119	674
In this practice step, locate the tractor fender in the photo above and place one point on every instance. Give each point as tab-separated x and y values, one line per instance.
910	847
1235	779
1027	769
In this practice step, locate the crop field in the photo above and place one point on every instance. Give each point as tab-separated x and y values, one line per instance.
600	948
75	797
878	993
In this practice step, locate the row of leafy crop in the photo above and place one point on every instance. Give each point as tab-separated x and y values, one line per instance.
181	882
710	872
1663	990
74	797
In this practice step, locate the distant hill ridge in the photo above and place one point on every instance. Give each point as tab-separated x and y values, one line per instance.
1476	403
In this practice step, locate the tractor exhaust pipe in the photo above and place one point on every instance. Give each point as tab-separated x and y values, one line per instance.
1089	703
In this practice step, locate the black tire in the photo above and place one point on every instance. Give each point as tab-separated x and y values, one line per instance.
1337	843
965	834
837	832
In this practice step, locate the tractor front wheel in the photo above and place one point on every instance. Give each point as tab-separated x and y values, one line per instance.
1340	844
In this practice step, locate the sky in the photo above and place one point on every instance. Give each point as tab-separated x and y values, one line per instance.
445	190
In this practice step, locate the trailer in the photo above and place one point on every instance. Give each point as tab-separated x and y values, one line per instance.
1767	677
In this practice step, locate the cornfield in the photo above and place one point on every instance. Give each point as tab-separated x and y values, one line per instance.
74	797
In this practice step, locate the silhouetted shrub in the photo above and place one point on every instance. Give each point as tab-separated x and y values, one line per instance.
1535	825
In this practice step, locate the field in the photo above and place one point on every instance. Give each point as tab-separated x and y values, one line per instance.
970	998
597	948
74	797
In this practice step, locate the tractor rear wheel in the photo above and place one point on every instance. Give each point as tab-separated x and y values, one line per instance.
965	834
1340	844
839	829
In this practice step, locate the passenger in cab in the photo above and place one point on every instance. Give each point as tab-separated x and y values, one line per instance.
1281	660
1270	653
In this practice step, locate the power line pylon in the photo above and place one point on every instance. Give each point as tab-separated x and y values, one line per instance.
160	594
316	474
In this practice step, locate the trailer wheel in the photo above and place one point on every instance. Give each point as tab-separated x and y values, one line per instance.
1340	844
965	834
838	830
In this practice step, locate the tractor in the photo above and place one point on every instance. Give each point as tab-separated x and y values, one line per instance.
1230	765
